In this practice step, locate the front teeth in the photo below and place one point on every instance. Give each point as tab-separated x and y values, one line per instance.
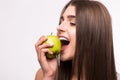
63	39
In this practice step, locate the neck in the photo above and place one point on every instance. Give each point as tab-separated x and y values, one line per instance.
74	77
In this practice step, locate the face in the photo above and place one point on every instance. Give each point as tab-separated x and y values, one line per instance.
67	33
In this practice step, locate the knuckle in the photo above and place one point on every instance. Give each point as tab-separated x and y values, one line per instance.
39	47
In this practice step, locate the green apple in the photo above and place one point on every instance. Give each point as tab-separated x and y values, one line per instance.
55	41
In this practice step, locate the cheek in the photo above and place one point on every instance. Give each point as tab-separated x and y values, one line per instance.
73	37
73	41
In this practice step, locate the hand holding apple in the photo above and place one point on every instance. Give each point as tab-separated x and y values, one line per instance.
55	41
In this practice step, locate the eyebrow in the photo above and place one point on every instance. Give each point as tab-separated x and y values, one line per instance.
70	17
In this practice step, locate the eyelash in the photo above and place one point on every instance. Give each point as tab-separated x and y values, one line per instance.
72	24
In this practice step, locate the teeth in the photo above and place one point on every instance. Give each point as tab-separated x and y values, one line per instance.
63	38
64	41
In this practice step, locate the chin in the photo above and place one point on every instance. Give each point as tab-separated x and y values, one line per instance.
62	58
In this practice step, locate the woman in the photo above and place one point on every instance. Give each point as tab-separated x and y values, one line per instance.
85	31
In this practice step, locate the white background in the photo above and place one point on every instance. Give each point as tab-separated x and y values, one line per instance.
22	22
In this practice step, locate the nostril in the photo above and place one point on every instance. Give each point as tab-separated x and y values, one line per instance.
60	30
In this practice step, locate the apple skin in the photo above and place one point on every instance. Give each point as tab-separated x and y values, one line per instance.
55	41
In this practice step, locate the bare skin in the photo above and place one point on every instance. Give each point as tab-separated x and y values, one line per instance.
49	67
39	75
66	30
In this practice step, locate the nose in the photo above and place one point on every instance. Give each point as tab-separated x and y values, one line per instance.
61	27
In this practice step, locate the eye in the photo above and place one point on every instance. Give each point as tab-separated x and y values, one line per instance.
72	24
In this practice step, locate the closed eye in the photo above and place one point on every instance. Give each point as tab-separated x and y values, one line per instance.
72	24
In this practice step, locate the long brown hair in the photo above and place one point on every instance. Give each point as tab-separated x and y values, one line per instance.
94	54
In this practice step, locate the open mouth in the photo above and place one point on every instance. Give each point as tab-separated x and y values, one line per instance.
64	41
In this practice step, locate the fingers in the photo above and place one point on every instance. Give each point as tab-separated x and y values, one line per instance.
41	55
40	41
42	49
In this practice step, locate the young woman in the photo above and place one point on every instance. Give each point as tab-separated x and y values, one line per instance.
85	31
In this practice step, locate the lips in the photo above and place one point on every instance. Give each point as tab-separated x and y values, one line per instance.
65	42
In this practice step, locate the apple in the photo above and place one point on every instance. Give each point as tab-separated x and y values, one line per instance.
55	41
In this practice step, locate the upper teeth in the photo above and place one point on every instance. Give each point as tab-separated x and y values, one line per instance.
63	38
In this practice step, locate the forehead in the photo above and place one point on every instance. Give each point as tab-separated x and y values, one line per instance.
70	10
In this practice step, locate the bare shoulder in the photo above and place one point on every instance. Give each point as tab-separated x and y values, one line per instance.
39	74
118	76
